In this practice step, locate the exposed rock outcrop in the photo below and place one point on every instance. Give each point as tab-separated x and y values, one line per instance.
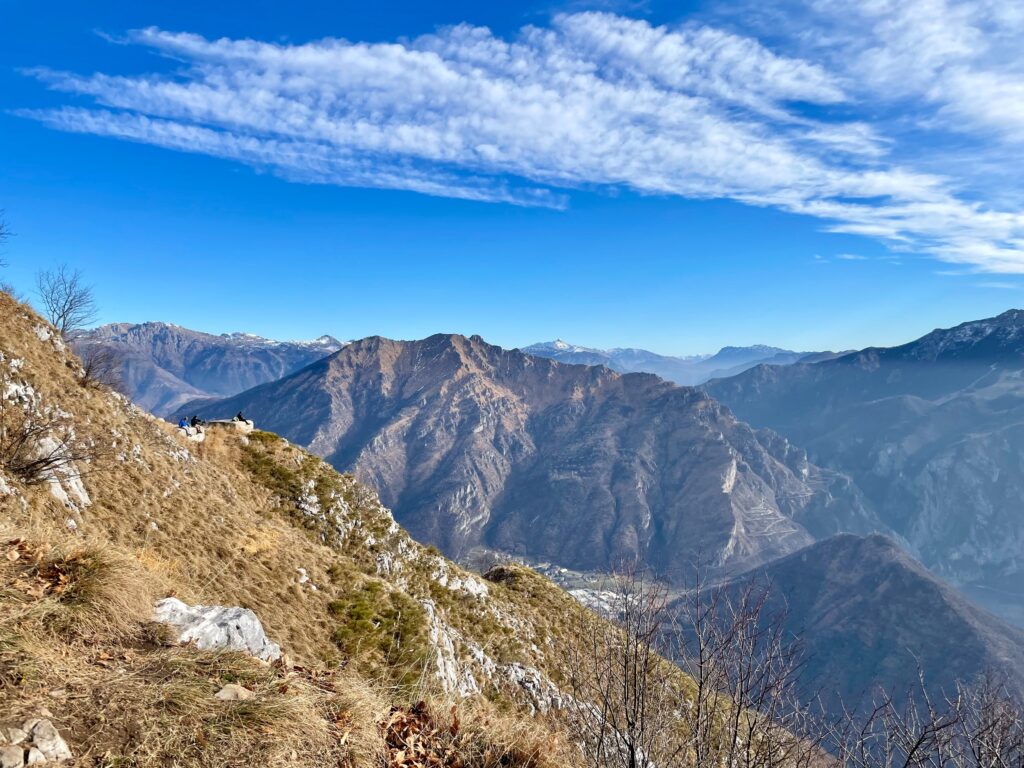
34	741
217	626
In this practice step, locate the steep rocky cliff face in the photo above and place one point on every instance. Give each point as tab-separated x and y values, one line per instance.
164	365
931	431
870	616
475	445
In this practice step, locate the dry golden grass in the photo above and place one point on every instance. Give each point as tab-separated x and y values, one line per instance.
485	736
196	521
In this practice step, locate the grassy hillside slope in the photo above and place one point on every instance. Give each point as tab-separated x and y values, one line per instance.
370	622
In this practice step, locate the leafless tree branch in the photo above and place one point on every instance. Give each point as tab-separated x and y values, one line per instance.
101	367
67	301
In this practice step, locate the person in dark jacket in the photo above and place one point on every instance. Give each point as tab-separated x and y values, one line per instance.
239	416
196	421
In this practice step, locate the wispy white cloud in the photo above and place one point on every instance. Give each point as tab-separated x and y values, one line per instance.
593	99
850	257
960	59
998	285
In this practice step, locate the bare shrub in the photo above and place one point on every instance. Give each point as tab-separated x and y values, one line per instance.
67	301
746	707
101	367
621	697
737	706
5	286
5	233
39	444
980	725
10	290
741	704
990	723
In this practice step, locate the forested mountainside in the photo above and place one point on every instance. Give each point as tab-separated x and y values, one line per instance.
868	615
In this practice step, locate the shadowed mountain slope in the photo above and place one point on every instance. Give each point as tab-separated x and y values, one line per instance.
931	431
867	614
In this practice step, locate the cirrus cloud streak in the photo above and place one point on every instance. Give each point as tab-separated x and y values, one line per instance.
592	100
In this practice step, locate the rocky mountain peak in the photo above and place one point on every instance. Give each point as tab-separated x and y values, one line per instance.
164	365
999	338
475	445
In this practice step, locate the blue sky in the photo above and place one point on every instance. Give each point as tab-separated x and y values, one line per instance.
676	176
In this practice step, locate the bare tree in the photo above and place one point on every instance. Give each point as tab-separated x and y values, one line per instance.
990	724
618	689
4	234
737	707
101	367
67	301
740	704
979	726
745	708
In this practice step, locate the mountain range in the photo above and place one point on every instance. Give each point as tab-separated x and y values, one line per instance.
473	445
932	432
267	550
162	366
476	447
692	370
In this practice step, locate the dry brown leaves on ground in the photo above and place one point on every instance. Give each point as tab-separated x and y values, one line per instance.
415	740
35	577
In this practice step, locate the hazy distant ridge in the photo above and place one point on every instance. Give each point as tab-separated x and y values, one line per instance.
164	365
688	371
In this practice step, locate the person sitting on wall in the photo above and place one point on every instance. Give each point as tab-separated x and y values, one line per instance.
239	417
197	422
183	423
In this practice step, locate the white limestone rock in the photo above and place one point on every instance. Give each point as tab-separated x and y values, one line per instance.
12	757
47	739
218	627
453	676
540	692
15	735
234	692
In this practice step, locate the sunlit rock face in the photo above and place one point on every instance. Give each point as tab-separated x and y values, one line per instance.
474	445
